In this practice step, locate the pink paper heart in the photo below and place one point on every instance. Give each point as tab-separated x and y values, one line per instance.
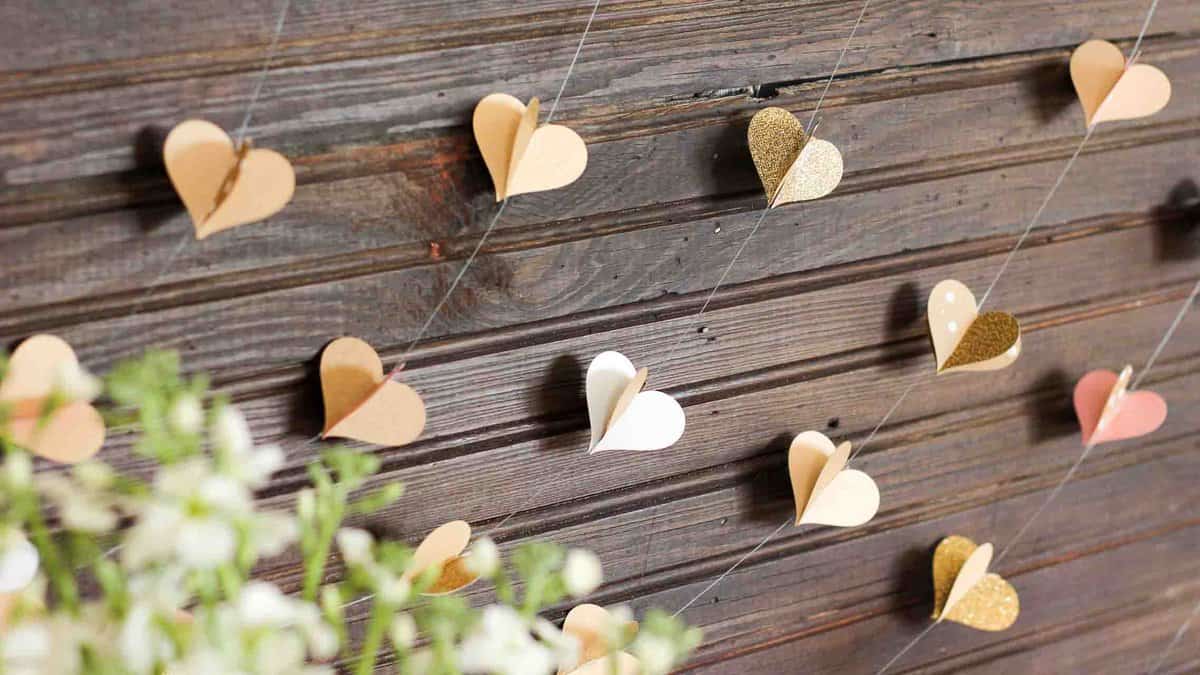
1138	412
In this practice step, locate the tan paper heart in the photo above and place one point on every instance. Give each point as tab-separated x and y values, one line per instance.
443	549
73	430
363	404
965	340
220	185
791	169
965	592
1109	89
521	156
593	626
826	492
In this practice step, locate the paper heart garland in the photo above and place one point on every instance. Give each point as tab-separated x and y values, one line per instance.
965	592
1107	412
74	430
1110	89
826	492
361	402
965	340
592	625
220	185
443	548
521	156
791	167
623	417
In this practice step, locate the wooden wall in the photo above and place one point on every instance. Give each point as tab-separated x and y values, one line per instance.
953	116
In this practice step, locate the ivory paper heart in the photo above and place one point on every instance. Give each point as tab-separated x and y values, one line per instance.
965	592
1109	89
220	185
69	431
826	492
363	404
791	167
623	417
443	549
592	626
1107	412
521	156
965	340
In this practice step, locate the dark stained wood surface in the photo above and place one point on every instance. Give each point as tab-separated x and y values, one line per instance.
954	118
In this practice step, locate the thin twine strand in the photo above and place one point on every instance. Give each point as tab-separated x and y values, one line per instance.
729	571
496	218
912	643
1183	629
1187	304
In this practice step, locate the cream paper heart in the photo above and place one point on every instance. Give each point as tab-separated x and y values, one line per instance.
622	416
791	169
220	185
1109	89
826	492
965	592
1107	411
965	340
361	402
592	626
443	548
73	430
521	156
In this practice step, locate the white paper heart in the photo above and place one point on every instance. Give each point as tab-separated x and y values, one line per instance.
826	492
646	420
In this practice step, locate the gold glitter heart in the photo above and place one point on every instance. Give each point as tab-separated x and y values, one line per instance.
991	334
991	604
790	167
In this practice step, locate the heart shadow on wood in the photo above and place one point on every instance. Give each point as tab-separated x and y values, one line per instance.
767	492
1050	408
305	412
1177	223
913	579
905	320
558	404
1049	88
731	171
144	184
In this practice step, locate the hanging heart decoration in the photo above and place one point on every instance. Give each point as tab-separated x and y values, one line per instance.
826	492
622	416
520	155
791	166
362	403
964	339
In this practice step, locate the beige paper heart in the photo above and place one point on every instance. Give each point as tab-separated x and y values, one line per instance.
520	155
791	169
1109	89
443	548
73	430
592	626
222	186
965	592
363	404
827	493
965	340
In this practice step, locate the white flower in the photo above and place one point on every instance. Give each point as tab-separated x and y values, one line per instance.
655	653
18	561
187	415
392	589
205	543
81	507
566	647
75	382
403	631
225	495
140	642
257	467
582	573
18	469
94	475
306	505
261	604
271	533
230	432
355	545
25	647
484	557
500	644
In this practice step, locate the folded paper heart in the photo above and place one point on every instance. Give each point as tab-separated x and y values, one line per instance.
1108	412
594	628
965	340
791	166
443	549
622	416
1110	89
220	185
64	431
826	492
361	402
965	592
520	155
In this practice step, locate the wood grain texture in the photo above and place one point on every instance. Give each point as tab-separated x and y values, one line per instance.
954	118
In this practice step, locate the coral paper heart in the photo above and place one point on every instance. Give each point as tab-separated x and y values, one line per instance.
826	492
791	167
593	626
1107	412
73	430
361	402
1109	89
965	592
220	185
622	416
965	340
443	549
521	156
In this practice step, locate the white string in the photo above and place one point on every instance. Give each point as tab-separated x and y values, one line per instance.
571	68
883	420
1133	53
1183	629
1187	304
912	643
838	64
735	565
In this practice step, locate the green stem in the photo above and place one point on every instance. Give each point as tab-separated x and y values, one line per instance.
381	615
60	576
533	596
